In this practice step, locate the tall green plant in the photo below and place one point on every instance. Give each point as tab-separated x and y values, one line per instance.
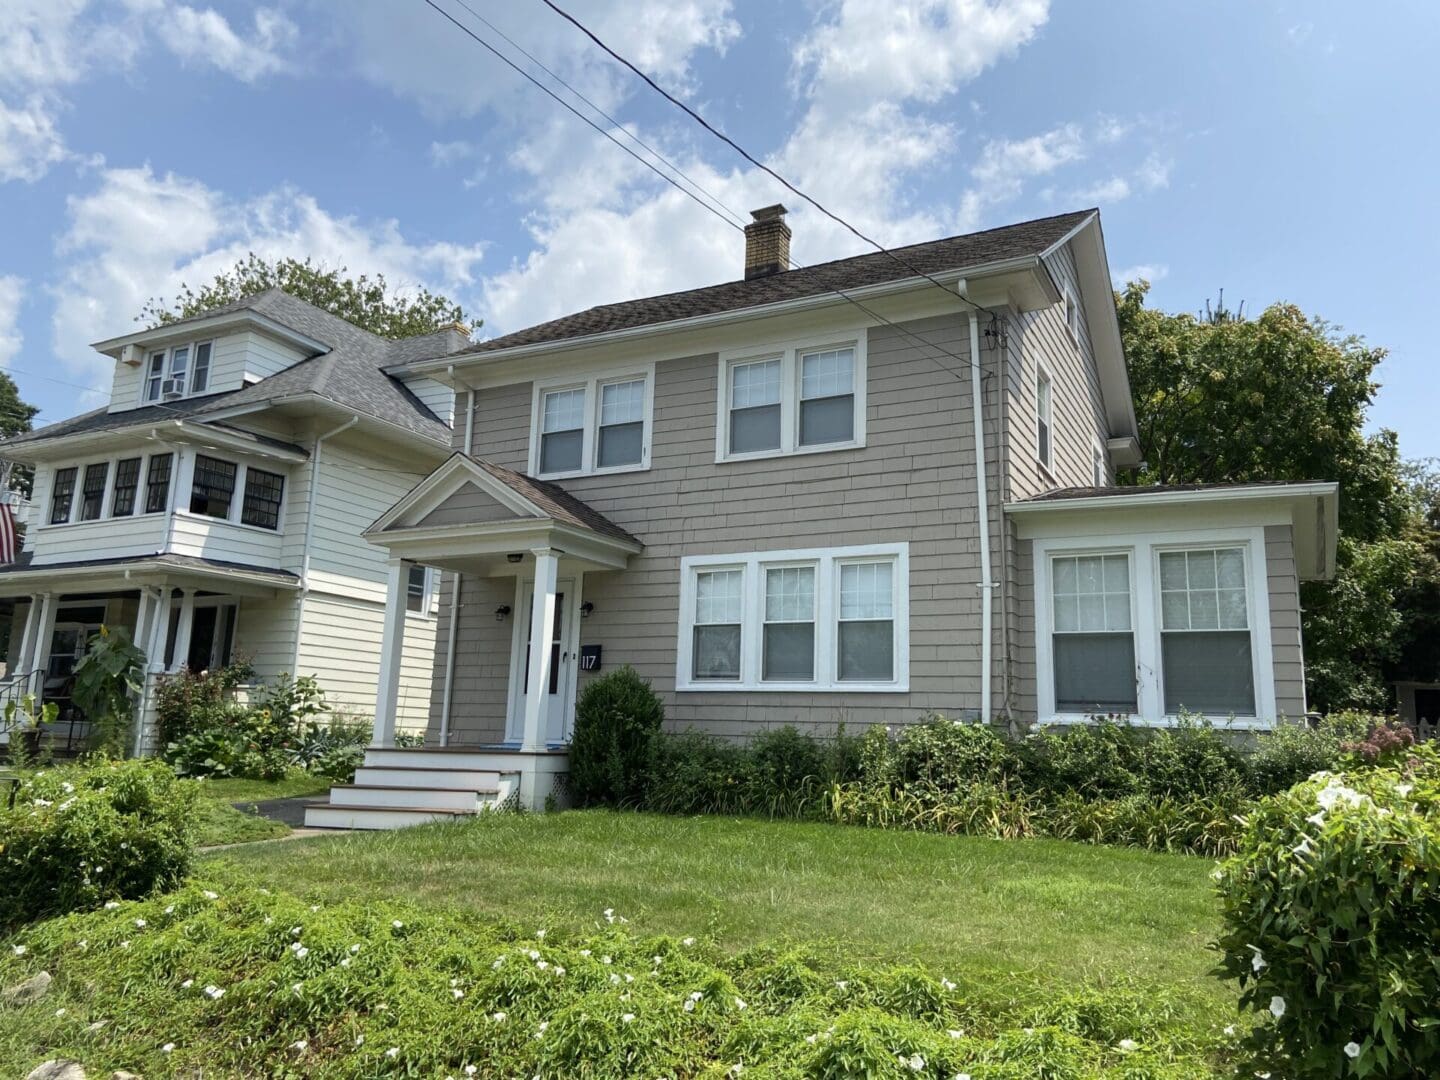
616	721
107	680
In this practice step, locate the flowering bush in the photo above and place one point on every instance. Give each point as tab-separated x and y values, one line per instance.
616	720
230	980
1384	744
79	836
1331	917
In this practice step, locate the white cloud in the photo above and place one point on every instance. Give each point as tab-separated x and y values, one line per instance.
1006	165
1151	272
1154	173
29	140
206	37
12	292
448	153
138	235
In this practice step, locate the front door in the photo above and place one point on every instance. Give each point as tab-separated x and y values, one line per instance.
559	698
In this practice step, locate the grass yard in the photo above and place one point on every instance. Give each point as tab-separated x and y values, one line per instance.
222	822
1013	916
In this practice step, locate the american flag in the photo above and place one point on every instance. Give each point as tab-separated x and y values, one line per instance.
7	532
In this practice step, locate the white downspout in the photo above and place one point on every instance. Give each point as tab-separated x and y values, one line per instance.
986	584
455	604
309	532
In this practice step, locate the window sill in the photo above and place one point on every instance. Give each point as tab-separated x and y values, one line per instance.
644	466
762	455
1226	722
792	688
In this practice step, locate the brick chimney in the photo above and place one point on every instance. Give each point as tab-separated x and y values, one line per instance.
767	242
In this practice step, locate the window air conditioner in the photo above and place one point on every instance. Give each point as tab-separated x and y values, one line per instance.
172	388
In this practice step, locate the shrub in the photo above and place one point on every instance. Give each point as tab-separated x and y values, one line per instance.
1100	760
234	741
107	678
1387	743
616	721
81	835
334	750
1191	760
186	701
1331	913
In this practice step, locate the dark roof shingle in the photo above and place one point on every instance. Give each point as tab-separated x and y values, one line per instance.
555	501
933	257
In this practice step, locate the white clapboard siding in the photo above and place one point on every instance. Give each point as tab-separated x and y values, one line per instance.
105	539
265	634
207	538
233	357
260	357
436	396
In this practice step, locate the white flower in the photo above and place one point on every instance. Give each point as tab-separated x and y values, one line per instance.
355	948
314	907
301	953
584	952
497	964
169	909
397	924
1128	1045
299	1044
295	988
1277	1007
811	1039
210	895
696	995
83	943
498	1017
544	1024
740	1003
541	965
689	1005
59	1012
629	978
294	931
1257	962
18	950
111	905
540	935
359	1040
1303	848
140	924
605	960
1334	792
841	984
559	970
1229	1029
345	961
687	942
393	1052
614	980
69	787
294	945
1317	819
533	955
167	1048
214	993
657	960
124	944
916	1063
627	1018
1403	790
1352	1050
187	984
457	993
961	1076
268	920
470	1070
946	984
955	1033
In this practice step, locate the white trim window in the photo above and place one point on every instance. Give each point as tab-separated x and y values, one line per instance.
1205	648
420	590
180	371
110	488
590	424
1072	316
1099	465
236	492
791	398
1044	418
1154	625
825	619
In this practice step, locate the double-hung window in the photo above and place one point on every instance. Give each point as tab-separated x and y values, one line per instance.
1205	632
791	398
418	589
1093	640
62	494
213	487
92	491
822	619
157	483
1044	420
594	424
1152	628
127	482
178	371
264	492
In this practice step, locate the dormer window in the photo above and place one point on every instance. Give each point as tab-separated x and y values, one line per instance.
178	372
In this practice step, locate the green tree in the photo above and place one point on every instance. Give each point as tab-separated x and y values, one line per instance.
16	416
1283	396
367	302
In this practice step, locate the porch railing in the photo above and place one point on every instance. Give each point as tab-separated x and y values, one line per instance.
15	688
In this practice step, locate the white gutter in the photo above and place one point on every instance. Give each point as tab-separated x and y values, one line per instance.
309	532
1139	496
986	584
455	590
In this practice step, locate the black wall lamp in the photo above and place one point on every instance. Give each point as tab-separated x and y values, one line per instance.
502	612
585	609
514	557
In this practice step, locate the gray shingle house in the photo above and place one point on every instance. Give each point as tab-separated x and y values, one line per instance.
855	492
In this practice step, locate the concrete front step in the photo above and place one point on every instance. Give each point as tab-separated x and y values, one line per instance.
369	795
322	816
463	760
432	778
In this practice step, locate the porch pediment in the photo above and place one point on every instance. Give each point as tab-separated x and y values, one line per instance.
469	511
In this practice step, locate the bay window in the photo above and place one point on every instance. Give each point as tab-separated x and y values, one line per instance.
788	398
833	619
592	424
1153	626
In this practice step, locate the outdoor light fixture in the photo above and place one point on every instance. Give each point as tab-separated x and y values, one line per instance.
585	609
514	556
501	612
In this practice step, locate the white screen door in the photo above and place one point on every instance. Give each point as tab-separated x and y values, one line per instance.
558	702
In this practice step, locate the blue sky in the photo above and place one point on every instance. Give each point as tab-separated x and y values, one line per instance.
1279	150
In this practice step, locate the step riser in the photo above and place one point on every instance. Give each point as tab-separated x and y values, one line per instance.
390	776
463	760
354	817
409	797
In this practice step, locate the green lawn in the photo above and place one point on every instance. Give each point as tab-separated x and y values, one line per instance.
291	787
1014	915
222	822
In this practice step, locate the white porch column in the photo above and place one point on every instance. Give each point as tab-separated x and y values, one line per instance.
154	645
392	654
542	617
147	611
44	634
182	631
25	658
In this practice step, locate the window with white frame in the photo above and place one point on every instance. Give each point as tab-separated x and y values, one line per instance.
420	589
823	619
1072	317
90	492
1093	639
178	371
797	398
1044	423
1097	459
1151	628
215	484
592	424
1205	632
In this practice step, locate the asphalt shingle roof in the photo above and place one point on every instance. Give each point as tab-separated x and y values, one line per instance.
555	501
936	256
351	374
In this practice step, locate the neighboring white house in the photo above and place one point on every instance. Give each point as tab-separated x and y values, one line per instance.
214	507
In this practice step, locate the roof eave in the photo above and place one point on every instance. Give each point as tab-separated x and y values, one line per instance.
202	326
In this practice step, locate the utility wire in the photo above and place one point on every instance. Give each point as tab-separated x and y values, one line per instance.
750	157
669	180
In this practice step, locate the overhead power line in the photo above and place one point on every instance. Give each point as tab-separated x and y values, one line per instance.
836	290
749	156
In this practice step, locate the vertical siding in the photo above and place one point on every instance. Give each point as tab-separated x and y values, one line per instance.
1285	644
913	481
